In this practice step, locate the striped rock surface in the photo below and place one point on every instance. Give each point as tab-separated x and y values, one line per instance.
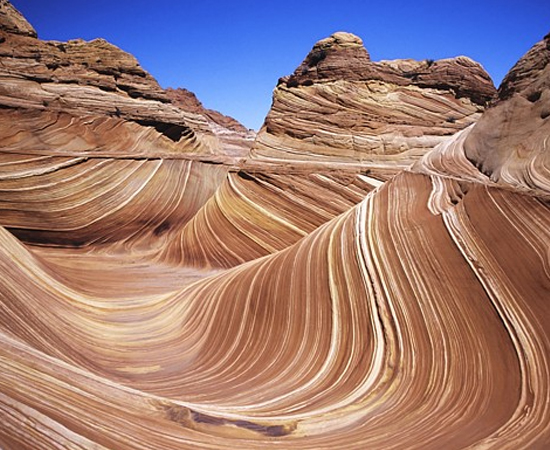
167	302
339	106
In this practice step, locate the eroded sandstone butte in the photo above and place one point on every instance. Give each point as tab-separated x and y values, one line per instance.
177	304
339	106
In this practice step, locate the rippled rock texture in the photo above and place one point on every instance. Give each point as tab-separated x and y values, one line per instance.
173	303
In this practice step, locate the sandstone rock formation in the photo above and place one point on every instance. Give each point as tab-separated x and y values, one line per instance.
229	131
171	303
510	143
188	101
94	98
339	106
12	21
88	114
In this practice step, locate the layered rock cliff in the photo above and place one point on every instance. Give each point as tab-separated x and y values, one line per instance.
339	106
94	97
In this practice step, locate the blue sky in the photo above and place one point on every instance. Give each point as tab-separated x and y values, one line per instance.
231	53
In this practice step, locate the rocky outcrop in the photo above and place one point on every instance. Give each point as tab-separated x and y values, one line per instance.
339	106
529	76
94	97
343	56
12	21
188	101
510	142
231	132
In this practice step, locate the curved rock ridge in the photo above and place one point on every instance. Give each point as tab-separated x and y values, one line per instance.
510	142
254	214
194	213
400	315
339	106
87	94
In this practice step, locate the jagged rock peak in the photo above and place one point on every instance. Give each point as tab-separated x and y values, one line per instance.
12	21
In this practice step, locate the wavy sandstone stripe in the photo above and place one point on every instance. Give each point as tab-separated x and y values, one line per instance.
388	327
158	204
255	214
79	201
311	298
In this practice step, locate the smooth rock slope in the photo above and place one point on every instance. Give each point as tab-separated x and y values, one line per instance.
510	142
